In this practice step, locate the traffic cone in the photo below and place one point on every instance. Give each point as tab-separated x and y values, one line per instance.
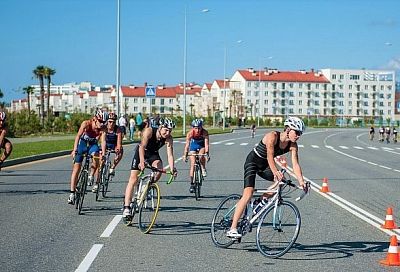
393	255
389	221
325	188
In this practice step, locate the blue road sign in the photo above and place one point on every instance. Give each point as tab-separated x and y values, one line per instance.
150	91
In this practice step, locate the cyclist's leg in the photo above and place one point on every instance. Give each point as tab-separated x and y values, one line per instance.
118	158
202	151
94	151
156	162
75	169
133	179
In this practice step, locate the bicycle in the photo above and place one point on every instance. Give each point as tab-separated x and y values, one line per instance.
82	183
279	220
104	177
198	177
146	199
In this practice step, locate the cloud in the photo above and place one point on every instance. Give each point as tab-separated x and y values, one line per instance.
386	23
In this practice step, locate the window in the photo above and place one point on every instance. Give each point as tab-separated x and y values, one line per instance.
291	102
341	103
300	94
153	101
274	86
350	87
325	87
144	109
300	111
333	76
381	95
291	111
381	104
389	88
316	103
162	101
341	76
283	86
340	87
333	87
316	94
350	95
366	104
381	112
366	87
365	95
341	95
317	86
350	103
249	84
256	93
382	87
265	93
171	101
248	93
291	94
266	84
300	85
135	100
354	77
144	100
300	102
340	111
135	109
291	85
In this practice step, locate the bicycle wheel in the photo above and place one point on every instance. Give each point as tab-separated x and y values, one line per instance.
222	221
148	209
82	192
106	180
197	181
100	180
278	231
78	189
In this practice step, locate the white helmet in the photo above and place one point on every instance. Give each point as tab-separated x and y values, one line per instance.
101	115
167	123
2	116
295	123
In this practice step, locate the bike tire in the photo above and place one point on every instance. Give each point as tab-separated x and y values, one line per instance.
197	176
78	189
275	241
100	178
149	207
83	192
222	221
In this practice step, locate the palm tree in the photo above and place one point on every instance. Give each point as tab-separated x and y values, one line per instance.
1	94
47	73
39	74
29	90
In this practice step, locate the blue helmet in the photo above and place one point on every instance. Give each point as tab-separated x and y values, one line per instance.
197	123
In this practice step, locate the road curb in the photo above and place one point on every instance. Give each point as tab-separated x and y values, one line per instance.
35	158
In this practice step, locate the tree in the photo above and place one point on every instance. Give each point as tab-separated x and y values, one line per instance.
47	73
28	90
1	94
191	109
39	74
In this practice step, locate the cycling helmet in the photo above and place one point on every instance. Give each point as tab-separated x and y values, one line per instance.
101	115
167	123
295	123
197	123
2	116
112	116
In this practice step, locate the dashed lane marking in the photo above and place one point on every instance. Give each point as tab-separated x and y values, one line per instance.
87	262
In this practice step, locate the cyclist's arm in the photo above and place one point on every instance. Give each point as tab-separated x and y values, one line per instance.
3	134
170	152
206	142
119	140
270	139
103	143
188	138
81	130
296	166
146	136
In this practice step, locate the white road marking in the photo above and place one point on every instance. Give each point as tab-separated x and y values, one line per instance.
244	143
358	147
373	148
300	145
372	163
230	143
110	228
87	262
387	148
385	167
329	146
343	147
215	143
314	146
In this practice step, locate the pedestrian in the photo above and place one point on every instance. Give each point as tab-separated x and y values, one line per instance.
139	124
132	124
122	124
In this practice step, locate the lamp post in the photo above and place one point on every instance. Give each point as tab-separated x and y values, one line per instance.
118	57
185	69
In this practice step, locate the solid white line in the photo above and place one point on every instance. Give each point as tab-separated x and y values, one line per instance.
87	262
372	163
353	209
110	228
385	167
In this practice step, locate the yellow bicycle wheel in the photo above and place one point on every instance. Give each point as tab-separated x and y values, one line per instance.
148	209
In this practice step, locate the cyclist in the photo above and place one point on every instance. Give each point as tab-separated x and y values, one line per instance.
86	142
111	139
253	130
4	142
381	132
147	152
260	161
394	135
197	142
387	134
371	133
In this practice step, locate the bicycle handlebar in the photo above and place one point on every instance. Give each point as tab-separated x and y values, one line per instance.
155	169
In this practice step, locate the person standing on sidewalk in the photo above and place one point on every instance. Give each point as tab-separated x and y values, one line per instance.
4	142
132	124
139	121
122	125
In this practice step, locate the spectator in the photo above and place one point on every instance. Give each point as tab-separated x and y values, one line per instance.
122	125
132	128
139	124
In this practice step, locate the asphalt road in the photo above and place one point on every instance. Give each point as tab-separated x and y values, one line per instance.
340	231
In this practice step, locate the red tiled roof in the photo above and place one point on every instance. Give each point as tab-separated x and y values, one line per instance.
92	93
284	76
208	86
220	83
160	91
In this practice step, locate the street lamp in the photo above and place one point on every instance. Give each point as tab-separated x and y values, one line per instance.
184	70
118	57
261	95
224	100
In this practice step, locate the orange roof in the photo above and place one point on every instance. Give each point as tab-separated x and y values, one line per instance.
285	76
208	86
161	91
92	93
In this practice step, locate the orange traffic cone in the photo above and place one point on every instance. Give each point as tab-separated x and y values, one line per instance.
325	188
389	221
393	255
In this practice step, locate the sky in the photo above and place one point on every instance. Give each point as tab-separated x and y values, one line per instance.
78	38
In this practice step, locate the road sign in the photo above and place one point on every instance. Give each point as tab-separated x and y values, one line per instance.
150	91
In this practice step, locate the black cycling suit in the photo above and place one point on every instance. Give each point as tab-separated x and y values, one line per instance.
151	152
257	163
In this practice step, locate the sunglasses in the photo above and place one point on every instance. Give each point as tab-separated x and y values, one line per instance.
101	122
298	133
111	121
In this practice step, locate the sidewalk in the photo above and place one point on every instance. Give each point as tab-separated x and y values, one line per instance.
40	138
